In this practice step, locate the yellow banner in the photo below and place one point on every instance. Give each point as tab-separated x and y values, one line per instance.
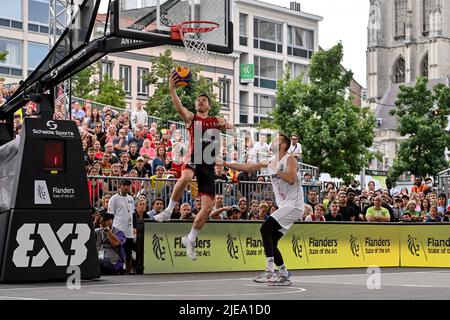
312	246
425	246
238	247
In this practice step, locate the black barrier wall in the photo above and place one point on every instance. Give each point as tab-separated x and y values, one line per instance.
49	224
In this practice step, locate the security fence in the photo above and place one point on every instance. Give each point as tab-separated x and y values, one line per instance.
101	187
444	182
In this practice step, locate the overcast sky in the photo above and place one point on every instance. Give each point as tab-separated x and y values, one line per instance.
344	20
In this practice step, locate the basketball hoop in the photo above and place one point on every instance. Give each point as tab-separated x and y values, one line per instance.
193	34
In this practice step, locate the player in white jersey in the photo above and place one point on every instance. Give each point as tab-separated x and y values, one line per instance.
288	191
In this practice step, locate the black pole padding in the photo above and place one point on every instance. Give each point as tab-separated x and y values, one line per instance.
140	246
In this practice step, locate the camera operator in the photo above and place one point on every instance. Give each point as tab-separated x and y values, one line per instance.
110	241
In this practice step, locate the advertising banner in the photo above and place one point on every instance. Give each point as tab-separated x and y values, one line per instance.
238	247
425	246
247	73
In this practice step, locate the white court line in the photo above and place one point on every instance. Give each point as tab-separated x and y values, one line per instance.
130	284
19	298
421	286
301	279
297	290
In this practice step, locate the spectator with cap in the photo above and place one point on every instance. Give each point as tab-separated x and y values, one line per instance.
110	242
234	214
122	206
140	167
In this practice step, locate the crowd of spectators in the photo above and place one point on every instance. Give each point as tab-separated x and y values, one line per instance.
421	204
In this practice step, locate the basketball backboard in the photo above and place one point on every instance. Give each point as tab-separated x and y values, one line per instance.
151	20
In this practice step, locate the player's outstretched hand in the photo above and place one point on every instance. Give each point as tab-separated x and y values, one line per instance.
173	80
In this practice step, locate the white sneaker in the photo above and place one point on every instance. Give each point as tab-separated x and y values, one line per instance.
163	216
265	277
190	248
280	280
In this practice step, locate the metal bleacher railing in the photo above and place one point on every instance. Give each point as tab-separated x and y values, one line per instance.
100	186
444	182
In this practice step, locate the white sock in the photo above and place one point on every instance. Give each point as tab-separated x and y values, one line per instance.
172	205
283	271
270	264
192	235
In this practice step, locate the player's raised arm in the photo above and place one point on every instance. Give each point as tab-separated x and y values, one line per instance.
290	175
184	113
246	167
224	123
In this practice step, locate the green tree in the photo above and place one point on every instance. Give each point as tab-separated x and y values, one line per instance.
422	116
160	104
3	55
335	134
111	92
83	85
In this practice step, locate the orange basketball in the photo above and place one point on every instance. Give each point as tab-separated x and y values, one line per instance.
184	75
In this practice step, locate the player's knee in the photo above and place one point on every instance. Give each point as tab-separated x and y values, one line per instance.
185	179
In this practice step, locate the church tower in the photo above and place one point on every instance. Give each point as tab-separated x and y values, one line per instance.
406	38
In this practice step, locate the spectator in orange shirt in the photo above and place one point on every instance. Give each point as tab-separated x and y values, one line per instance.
418	186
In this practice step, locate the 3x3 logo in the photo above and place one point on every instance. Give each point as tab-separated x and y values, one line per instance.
28	232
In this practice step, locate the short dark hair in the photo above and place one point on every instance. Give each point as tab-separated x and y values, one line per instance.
286	140
91	149
157	199
204	94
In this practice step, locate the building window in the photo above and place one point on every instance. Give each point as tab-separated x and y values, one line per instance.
300	42
267	72
399	71
424	66
11	14
38	16
12	65
224	93
299	70
36	54
106	70
125	76
38	11
243	29
142	86
263	106
400	17
267	35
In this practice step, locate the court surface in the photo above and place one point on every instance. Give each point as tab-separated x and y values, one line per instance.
405	283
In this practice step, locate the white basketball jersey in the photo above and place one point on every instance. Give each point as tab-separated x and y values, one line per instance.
286	195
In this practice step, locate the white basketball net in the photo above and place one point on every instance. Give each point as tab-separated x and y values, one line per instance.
193	35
